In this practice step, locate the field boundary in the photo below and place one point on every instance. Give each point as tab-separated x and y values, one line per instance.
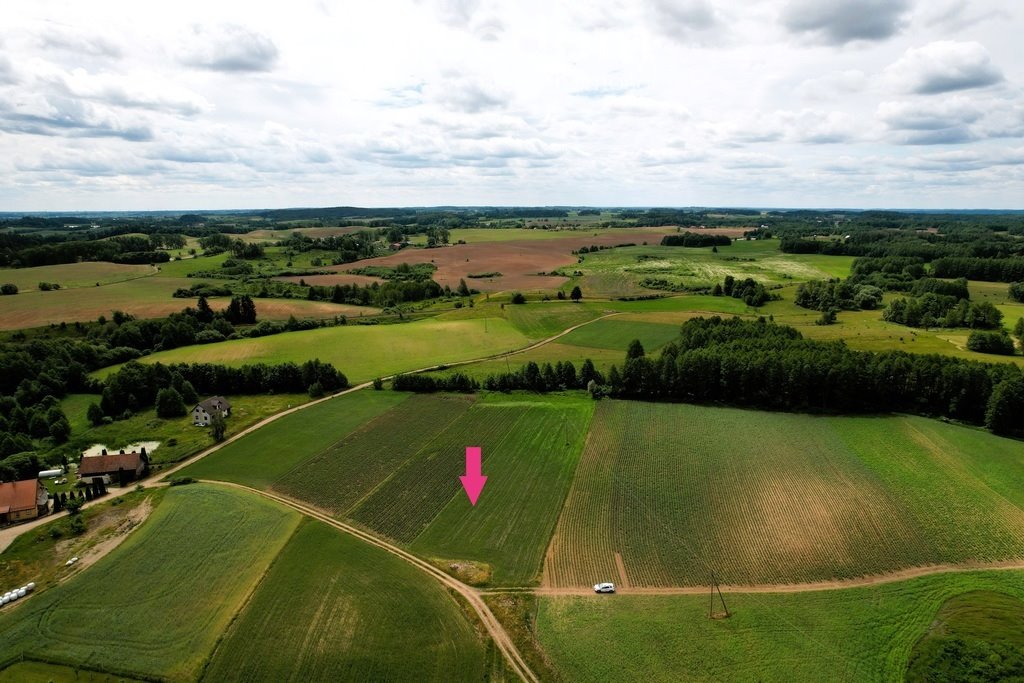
809	587
7	535
494	628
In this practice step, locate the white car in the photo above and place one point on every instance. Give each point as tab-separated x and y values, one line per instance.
604	587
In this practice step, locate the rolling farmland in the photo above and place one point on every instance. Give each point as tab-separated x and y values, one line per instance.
858	634
679	492
362	352
529	475
266	454
342	475
617	334
332	608
201	541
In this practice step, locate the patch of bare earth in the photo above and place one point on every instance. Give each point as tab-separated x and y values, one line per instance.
109	530
520	262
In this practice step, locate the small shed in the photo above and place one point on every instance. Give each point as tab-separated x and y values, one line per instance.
204	411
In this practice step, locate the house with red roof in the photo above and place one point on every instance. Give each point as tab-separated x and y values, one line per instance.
119	467
22	500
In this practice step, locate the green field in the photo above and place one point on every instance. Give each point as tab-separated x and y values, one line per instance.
860	634
341	476
158	603
261	457
529	473
539	320
679	492
362	352
971	631
613	333
40	672
620	272
73	275
333	608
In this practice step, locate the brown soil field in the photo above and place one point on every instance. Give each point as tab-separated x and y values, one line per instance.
519	261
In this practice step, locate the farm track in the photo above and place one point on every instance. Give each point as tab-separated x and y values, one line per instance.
809	587
471	595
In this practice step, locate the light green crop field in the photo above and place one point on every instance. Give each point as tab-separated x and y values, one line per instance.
362	352
529	471
157	604
340	477
619	272
72	275
146	426
858	634
539	320
678	492
333	608
259	458
613	333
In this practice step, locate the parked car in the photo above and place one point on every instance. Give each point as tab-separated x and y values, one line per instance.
604	587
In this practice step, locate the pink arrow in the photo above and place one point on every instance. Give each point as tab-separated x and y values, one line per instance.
473	481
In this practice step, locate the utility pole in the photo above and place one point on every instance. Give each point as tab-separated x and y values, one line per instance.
716	588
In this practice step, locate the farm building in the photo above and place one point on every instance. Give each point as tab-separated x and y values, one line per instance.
120	467
22	500
205	410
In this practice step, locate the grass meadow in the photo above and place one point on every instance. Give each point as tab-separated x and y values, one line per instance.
857	634
362	352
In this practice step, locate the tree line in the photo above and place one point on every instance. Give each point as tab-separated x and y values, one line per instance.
765	365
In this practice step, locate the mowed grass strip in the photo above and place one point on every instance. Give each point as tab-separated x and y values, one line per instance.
333	608
362	352
339	477
528	476
612	333
760	497
859	634
157	604
260	458
403	506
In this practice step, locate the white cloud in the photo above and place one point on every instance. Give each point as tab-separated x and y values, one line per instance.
229	47
944	66
838	22
648	102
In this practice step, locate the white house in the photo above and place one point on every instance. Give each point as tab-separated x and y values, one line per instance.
205	410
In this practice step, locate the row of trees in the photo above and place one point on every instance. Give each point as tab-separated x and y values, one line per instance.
547	377
693	239
762	364
939	310
136	385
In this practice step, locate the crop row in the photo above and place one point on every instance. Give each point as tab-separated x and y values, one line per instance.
338	478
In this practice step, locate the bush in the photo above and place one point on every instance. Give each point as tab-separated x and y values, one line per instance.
169	403
991	342
7	289
182	481
378	383
518	298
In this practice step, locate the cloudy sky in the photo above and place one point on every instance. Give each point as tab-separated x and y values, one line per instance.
802	103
